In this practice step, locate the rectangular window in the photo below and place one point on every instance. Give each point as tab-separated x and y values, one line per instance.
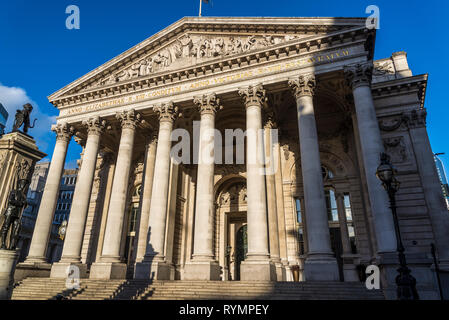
331	205
350	222
299	219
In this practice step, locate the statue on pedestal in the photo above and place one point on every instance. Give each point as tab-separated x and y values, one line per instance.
17	201
23	118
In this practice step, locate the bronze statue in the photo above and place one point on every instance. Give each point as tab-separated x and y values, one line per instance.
23	118
17	202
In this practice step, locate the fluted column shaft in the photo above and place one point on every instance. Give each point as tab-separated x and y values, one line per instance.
150	158
47	207
359	78
117	205
80	204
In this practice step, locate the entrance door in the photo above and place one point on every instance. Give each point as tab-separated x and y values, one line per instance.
241	248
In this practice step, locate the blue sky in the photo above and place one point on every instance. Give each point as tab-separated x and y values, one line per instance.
38	55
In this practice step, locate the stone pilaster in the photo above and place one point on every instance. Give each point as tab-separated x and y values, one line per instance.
71	254
110	266
320	262
154	264
203	265
257	266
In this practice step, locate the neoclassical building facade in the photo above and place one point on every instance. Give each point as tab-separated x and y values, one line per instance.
310	82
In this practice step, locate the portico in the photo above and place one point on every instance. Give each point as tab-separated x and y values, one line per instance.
308	197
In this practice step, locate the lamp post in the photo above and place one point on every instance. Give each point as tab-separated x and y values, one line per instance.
406	283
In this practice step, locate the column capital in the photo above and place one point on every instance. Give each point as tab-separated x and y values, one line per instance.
129	119
95	125
253	95
208	104
359	74
167	112
63	131
303	85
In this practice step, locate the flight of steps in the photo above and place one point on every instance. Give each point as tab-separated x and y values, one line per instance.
44	289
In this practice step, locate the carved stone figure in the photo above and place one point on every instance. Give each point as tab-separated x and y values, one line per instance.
17	202
23	118
187	45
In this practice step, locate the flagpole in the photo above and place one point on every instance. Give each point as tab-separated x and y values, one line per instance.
201	2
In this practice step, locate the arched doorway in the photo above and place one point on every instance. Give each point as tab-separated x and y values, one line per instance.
231	226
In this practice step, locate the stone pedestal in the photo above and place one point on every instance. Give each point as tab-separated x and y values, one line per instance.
8	260
16	149
60	269
152	270
108	270
258	270
32	269
207	270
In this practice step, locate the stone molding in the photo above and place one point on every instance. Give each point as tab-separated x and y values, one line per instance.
208	104
304	85
359	74
129	119
63	131
253	95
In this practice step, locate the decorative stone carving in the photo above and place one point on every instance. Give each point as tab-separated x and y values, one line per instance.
417	118
395	147
359	74
129	119
236	194
167	112
95	125
193	49
304	85
384	67
253	95
392	124
63	131
208	103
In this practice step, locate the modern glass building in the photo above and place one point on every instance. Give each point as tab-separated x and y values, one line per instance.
3	118
443	178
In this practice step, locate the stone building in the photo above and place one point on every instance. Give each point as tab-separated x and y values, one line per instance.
139	213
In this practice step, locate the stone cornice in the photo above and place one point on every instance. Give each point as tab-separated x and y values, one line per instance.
400	86
290	48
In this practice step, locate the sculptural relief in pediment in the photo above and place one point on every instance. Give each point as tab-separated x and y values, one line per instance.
191	49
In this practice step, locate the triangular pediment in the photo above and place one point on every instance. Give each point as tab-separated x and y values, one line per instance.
194	41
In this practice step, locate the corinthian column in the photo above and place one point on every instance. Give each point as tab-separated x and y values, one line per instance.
203	266
109	266
320	262
44	220
71	253
154	265
359	78
257	266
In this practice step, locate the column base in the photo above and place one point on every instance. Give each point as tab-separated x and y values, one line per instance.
280	272
257	270
8	261
157	270
202	270
60	270
30	268
350	273
321	268
108	270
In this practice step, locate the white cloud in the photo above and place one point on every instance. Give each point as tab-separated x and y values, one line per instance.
13	98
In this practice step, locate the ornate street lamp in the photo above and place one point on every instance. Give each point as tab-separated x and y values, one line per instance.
406	283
